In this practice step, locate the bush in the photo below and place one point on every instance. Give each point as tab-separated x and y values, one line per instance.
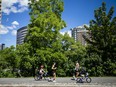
60	72
6	73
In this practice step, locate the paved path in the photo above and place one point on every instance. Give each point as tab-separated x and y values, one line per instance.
60	82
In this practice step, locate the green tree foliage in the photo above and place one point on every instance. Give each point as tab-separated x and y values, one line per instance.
78	52
93	65
45	23
8	62
74	51
24	60
44	32
102	38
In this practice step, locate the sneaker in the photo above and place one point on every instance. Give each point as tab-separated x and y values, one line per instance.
54	80
75	78
50	80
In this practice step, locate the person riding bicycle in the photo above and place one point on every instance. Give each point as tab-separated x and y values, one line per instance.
41	71
84	76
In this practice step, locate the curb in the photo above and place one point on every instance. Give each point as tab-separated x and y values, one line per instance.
56	85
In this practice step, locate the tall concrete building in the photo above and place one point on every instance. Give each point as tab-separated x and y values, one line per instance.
0	11
21	33
2	46
77	33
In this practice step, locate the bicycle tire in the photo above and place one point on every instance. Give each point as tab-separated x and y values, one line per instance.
36	77
78	80
88	79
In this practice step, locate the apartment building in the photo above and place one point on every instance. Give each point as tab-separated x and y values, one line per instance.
0	11
2	46
21	33
77	33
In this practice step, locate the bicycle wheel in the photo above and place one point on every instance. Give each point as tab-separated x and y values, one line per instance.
78	80
88	79
45	76
36	77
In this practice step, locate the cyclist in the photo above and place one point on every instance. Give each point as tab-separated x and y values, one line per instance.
41	71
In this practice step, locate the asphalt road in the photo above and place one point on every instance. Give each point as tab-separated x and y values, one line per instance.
64	82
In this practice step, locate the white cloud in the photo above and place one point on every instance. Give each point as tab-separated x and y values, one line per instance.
9	6
23	2
14	32
3	30
69	32
6	29
15	23
7	11
22	9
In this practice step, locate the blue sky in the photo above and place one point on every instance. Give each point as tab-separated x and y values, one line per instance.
76	13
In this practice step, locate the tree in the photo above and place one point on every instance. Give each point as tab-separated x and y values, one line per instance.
102	37
45	23
8	61
74	52
24	61
94	65
43	31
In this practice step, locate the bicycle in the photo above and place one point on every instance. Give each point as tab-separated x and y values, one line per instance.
84	78
40	77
